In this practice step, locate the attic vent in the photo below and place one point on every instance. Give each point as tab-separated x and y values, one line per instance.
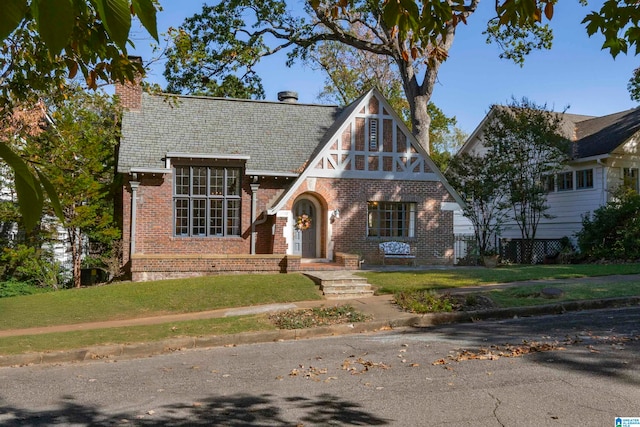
373	134
288	96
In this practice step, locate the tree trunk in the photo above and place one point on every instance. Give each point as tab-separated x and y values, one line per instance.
76	255
419	94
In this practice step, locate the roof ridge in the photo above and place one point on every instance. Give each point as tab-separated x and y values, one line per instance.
220	98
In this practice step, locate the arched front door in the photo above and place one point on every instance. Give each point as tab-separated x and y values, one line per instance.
304	239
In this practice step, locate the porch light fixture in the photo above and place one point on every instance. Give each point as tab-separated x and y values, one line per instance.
335	215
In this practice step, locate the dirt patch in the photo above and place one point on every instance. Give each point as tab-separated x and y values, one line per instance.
470	302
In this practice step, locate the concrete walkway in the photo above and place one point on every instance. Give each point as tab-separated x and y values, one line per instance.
383	311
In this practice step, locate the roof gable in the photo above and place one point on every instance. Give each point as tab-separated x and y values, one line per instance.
591	136
347	151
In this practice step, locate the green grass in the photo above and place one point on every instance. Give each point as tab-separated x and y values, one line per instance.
391	282
521	296
132	300
132	334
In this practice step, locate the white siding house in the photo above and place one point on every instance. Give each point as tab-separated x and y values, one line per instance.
605	155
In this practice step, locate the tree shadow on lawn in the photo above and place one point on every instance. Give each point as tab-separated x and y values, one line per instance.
236	410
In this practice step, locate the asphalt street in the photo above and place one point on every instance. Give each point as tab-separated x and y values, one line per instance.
575	369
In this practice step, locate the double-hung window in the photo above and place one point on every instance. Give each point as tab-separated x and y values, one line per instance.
564	181
584	179
206	201
630	177
389	219
548	183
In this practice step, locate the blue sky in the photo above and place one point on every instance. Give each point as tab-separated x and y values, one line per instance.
574	73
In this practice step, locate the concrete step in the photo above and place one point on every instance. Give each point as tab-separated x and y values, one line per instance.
341	285
346	290
354	281
346	294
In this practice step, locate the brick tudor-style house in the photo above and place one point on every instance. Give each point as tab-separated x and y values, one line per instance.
219	185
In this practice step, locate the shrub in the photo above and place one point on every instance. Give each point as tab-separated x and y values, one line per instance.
612	232
28	264
12	288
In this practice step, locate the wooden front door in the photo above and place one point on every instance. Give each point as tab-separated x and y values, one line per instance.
305	236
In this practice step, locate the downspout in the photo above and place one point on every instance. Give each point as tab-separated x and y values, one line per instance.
605	197
254	207
134	209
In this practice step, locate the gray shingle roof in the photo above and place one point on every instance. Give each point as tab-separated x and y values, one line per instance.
602	135
278	136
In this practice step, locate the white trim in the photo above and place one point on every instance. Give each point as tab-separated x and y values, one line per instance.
252	172
407	176
172	155
449	206
589	159
319	214
150	170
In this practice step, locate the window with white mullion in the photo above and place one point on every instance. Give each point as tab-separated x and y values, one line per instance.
207	201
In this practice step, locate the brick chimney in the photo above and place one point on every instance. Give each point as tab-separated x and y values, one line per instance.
130	94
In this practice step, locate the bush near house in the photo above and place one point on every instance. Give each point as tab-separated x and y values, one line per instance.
612	232
32	266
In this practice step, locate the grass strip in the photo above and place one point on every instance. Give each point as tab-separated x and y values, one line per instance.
133	334
391	282
524	296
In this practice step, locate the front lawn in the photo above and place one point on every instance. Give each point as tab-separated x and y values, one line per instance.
521	296
144	299
391	282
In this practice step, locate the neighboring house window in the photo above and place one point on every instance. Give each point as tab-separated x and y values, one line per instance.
387	219
584	178
548	183
630	177
373	134
565	181
207	201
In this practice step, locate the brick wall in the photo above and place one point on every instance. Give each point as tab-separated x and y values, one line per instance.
160	267
433	240
161	254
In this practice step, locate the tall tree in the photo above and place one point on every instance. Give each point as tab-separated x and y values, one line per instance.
232	36
481	180
77	154
526	141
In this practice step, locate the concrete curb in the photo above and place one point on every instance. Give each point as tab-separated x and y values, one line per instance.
140	350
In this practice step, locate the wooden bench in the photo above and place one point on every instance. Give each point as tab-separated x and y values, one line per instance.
396	250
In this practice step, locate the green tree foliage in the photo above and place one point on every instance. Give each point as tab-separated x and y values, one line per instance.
76	152
44	42
527	143
481	182
612	232
89	36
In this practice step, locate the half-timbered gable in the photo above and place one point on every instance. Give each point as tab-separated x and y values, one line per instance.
373	143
